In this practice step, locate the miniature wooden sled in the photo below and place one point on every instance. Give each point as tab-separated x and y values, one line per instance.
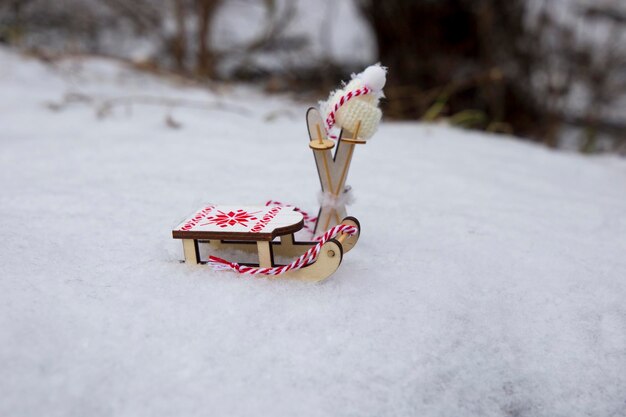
256	229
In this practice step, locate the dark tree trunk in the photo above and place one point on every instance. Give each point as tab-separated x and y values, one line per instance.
465	55
205	65
179	43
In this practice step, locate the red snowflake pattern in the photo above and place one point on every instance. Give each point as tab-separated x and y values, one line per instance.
231	218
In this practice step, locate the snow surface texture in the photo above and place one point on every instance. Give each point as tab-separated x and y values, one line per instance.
489	279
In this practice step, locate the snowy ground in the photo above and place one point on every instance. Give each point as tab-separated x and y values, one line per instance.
489	280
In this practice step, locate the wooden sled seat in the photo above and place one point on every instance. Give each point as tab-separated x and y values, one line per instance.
240	223
244	224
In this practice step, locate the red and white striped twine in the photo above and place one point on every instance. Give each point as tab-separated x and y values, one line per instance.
331	117
306	259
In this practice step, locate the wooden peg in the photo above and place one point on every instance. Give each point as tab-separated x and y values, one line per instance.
355	136
321	144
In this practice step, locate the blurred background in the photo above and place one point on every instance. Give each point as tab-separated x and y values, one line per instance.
550	71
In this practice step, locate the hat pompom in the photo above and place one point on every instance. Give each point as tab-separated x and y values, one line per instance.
374	77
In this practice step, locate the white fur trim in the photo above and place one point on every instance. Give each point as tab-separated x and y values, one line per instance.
330	200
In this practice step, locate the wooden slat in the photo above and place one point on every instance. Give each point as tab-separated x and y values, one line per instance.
190	250
239	223
265	254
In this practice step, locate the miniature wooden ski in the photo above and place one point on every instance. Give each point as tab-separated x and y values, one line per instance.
332	169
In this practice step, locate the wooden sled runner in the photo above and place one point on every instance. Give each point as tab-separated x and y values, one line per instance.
269	231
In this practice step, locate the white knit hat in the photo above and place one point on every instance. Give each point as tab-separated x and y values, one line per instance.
356	102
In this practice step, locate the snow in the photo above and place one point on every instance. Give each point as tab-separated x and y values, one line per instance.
489	278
